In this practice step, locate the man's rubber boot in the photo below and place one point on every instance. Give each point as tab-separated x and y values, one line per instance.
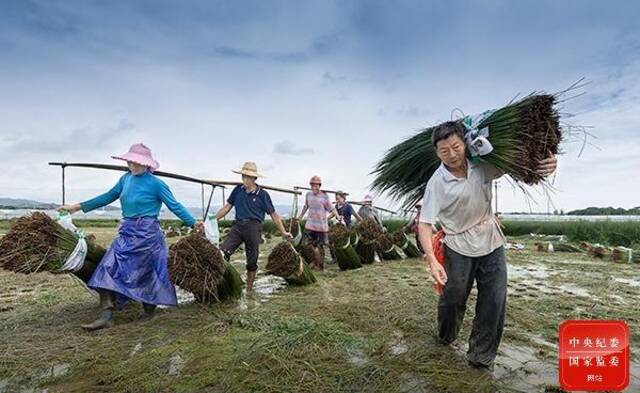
106	314
149	311
250	278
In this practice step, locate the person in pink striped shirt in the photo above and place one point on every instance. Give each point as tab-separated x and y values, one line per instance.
317	207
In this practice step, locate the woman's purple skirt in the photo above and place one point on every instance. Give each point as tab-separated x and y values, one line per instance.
135	266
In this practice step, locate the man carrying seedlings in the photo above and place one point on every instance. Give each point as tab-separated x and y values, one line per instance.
316	228
251	202
368	211
344	209
459	196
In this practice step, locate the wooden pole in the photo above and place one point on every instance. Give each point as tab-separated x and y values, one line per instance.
206	212
375	207
63	186
202	197
125	169
271	188
323	190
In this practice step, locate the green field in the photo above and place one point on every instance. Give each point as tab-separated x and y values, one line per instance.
370	329
611	233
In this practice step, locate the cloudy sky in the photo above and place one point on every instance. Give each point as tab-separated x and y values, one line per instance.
305	87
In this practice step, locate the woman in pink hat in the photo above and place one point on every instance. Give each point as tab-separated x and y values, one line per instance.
135	266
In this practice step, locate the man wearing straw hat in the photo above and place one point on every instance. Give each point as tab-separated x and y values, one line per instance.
368	211
458	194
316	228
251	203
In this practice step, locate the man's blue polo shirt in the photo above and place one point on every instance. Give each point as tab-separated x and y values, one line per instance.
251	205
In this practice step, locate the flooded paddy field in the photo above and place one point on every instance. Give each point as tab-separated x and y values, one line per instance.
370	329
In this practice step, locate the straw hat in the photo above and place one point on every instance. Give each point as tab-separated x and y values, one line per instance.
315	180
249	169
140	154
368	198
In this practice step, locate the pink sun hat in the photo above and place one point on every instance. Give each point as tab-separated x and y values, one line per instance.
140	154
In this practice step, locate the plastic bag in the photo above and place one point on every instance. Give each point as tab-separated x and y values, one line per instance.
298	239
211	230
75	260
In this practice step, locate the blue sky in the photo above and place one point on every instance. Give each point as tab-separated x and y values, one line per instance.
306	87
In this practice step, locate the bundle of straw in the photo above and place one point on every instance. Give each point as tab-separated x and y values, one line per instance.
284	261
521	133
197	266
386	248
401	240
340	240
37	243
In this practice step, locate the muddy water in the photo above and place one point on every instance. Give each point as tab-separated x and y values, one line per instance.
519	368
264	288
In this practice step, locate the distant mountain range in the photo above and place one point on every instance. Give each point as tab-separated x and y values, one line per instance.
18	203
606	211
12	203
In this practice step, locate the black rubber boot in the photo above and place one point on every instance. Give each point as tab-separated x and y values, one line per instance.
149	311
106	314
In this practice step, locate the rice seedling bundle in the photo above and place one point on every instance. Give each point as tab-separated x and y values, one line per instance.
293	226
366	252
305	278
565	247
339	236
346	255
230	287
625	255
401	240
284	261
309	253
38	243
600	252
521	133
386	247
354	237
368	230
197	266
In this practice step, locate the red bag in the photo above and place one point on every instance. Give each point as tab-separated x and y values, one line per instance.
438	251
